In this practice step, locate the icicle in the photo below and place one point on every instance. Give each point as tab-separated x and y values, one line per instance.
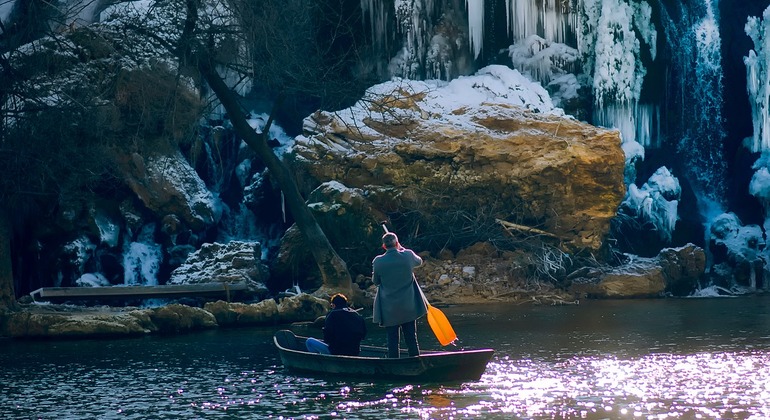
476	25
283	207
656	202
378	20
552	21
639	123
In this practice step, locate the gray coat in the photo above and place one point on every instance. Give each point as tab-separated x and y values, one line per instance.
399	298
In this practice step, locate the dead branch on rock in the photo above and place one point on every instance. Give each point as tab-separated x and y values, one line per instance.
524	229
552	300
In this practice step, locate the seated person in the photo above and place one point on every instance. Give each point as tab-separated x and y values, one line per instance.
344	329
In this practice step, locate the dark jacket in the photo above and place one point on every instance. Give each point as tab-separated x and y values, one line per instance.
343	331
399	298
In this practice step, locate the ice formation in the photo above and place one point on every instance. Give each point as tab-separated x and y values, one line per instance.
757	66
656	202
142	258
758	85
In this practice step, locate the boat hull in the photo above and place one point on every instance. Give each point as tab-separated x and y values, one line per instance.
430	366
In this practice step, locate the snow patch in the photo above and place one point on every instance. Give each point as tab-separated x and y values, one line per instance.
92	280
438	99
109	231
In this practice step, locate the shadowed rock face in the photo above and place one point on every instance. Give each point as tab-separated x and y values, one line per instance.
546	171
169	185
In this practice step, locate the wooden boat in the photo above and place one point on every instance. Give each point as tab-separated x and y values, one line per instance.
373	363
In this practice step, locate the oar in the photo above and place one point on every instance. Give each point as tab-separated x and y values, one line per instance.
440	326
437	321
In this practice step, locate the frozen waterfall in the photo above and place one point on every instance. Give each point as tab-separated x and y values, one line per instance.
142	258
757	67
758	85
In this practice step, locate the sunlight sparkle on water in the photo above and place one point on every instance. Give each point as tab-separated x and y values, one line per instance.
658	386
709	385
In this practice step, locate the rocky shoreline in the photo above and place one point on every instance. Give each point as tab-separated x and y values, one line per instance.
472	277
68	321
33	321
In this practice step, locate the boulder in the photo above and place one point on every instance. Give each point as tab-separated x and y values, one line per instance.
641	280
302	307
299	308
675	271
738	253
234	262
683	267
176	318
242	314
412	152
67	321
350	223
167	184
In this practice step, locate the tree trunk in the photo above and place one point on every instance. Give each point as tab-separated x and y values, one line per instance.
7	294
334	271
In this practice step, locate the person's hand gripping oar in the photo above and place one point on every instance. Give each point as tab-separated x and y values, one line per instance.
437	321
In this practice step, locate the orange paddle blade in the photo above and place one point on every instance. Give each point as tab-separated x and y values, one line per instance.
440	326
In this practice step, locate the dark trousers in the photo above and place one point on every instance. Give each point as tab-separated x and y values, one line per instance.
410	336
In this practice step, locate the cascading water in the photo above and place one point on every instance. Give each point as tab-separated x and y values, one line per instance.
240	219
142	258
694	43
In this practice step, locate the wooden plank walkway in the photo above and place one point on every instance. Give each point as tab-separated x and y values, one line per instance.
226	290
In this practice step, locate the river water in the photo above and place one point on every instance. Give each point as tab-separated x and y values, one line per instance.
650	359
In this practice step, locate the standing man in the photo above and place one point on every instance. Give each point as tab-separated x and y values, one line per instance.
399	301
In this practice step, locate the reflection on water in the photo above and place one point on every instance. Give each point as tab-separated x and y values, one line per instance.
723	385
652	359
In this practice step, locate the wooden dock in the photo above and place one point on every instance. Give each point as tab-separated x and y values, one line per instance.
225	290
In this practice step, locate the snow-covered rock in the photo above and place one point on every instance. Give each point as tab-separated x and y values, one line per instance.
234	262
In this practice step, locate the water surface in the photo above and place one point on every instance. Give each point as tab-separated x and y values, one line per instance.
651	359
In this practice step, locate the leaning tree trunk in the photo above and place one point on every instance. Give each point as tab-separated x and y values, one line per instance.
7	295
334	271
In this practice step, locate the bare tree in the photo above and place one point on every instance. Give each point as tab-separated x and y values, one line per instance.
333	269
